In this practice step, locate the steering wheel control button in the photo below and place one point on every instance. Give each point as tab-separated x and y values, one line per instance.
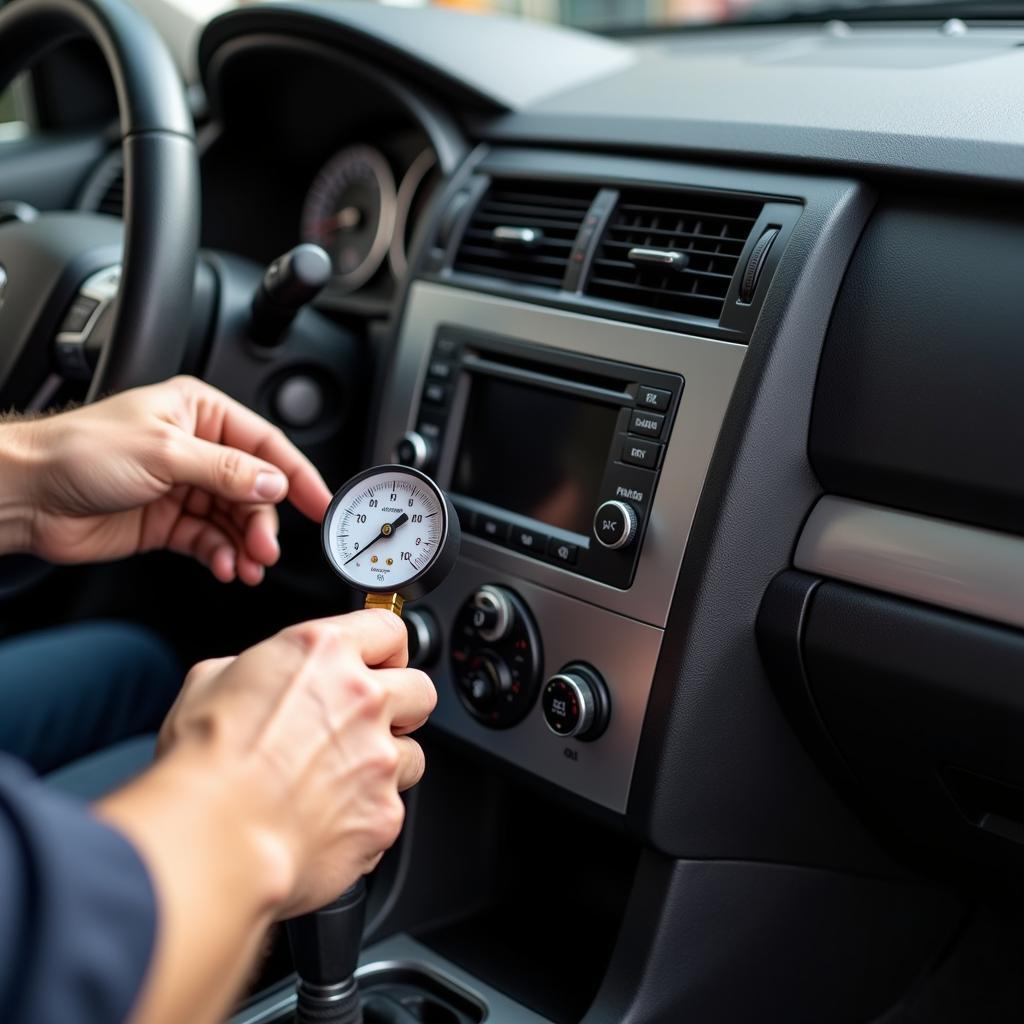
647	424
655	399
78	314
299	401
496	657
413	449
641	453
439	370
562	551
575	703
615	524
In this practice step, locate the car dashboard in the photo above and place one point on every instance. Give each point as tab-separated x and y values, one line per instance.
713	340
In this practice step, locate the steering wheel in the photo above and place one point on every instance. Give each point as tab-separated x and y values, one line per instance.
58	265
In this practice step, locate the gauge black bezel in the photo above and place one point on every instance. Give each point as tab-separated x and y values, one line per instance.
432	575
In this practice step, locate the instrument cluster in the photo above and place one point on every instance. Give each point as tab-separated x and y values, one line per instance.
362	207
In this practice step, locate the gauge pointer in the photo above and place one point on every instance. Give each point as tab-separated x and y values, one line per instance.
385	531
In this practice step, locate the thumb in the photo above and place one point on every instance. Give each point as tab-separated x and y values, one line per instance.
227	472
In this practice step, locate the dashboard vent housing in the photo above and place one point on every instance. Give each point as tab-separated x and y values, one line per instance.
524	231
634	261
112	200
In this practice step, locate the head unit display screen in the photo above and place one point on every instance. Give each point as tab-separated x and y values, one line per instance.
535	452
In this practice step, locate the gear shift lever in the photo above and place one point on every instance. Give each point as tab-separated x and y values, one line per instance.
325	950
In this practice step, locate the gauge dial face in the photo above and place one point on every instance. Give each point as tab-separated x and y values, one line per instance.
385	529
350	212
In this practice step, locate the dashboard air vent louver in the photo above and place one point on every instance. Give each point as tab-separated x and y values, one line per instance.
112	200
672	251
524	231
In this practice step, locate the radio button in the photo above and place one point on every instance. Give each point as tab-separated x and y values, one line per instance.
529	540
435	394
641	453
647	423
629	484
562	551
491	529
653	398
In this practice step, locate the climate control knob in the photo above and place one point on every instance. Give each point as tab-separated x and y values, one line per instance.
497	663
413	449
424	637
575	703
615	524
492	613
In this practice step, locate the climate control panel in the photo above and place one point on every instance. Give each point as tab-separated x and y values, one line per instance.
496	656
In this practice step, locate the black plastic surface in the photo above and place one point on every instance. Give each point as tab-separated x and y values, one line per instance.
750	789
919	399
928	710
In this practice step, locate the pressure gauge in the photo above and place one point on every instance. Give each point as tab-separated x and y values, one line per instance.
391	532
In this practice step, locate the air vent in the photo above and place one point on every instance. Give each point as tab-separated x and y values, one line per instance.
672	251
112	200
524	231
103	191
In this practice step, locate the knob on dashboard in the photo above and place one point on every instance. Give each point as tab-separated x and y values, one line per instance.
575	703
413	449
424	637
492	613
615	524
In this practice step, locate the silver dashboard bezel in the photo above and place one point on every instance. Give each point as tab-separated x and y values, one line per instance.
709	367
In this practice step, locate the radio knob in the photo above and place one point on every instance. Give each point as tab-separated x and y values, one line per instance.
413	449
575	703
492	614
615	524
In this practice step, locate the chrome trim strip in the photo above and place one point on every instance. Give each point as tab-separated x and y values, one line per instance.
966	569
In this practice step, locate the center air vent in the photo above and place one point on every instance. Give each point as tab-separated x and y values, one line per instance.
672	251
524	231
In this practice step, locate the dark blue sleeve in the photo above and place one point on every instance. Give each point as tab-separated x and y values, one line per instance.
77	910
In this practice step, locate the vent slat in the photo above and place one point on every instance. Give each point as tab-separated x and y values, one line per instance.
711	229
555	209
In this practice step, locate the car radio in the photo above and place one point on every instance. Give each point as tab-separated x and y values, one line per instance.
553	454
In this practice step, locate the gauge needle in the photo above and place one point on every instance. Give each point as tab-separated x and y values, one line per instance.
344	220
385	531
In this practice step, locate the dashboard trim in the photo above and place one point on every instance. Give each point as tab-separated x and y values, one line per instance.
961	568
709	367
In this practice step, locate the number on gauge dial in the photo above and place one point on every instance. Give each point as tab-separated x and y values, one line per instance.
385	530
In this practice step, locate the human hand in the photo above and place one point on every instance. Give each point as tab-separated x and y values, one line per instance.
308	732
176	465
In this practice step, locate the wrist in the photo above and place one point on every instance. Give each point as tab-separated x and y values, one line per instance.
193	807
22	463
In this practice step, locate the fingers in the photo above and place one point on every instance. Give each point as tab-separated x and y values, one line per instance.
376	636
411	763
411	698
226	472
224	420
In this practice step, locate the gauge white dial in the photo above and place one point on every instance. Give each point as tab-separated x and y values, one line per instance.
386	529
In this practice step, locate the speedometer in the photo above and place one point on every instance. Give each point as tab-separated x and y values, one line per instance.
350	212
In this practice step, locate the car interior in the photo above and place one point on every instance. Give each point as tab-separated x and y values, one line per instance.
712	335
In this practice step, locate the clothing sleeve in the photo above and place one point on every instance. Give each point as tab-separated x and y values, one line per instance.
77	909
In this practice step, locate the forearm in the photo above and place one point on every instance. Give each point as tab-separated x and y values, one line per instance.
19	460
218	885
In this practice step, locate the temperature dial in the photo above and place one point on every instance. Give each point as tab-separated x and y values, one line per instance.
575	703
391	530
